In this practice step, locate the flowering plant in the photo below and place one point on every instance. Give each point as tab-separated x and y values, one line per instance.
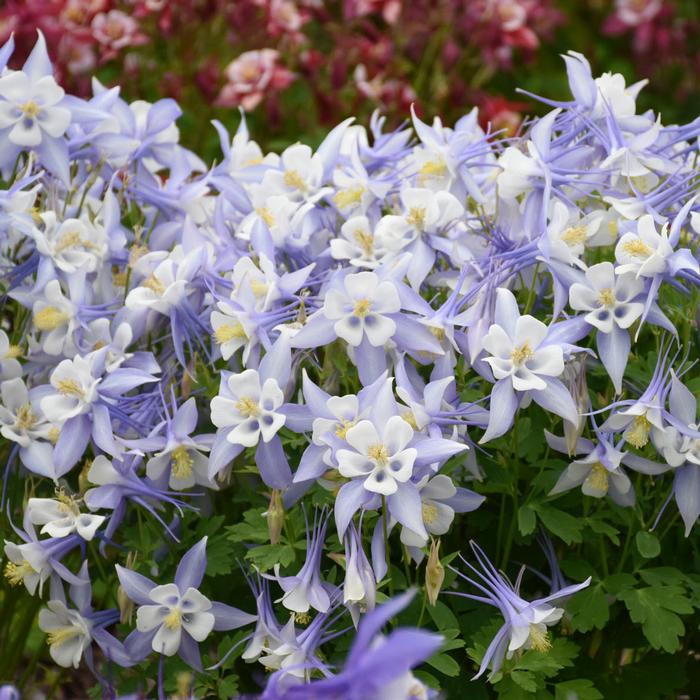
277	396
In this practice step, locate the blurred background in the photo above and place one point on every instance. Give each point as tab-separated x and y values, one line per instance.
299	66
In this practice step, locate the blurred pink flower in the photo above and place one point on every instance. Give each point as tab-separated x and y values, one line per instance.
284	18
635	12
252	75
389	9
115	31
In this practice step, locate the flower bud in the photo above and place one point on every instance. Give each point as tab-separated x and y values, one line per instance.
275	516
126	605
434	572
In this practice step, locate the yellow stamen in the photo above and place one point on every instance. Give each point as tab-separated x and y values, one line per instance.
248	407
416	217
378	453
67	504
302	618
259	288
365	240
30	109
62	635
362	308
266	215
637	434
521	354
539	639
637	249
293	179
173	619
410	418
16	573
25	417
69	387
136	252
342	428
438	332
607	297
574	235
430	513
346	198
154	284
598	478
182	462
54	434
50	318
223	334
433	168
71	239
13	352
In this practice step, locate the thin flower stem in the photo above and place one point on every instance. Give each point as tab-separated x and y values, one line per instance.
387	554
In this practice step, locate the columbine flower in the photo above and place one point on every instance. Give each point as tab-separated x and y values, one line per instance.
173	618
9	365
20	416
526	622
68	633
61	516
358	244
524	357
380	461
613	303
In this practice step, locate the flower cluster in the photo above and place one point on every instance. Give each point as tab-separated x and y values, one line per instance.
355	333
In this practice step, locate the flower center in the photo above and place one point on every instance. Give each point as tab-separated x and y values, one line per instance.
598	478
25	418
574	235
430	513
266	215
173	620
343	426
13	352
72	239
539	638
637	249
49	318
69	387
259	288
416	217
346	198
293	179
30	109
379	454
181	462
364	240
638	433
607	297
155	285
62	635
248	407
224	334
521	354
16	573
410	418
362	308
433	168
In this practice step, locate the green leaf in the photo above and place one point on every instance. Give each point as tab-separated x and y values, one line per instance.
253	528
527	521
579	689
267	555
602	527
565	526
589	609
648	544
525	679
657	609
443	617
445	664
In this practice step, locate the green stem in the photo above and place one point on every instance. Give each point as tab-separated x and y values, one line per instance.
387	554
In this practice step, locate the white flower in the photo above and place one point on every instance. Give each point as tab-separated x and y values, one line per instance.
521	356
646	252
568	235
249	409
232	330
98	334
9	365
381	461
68	633
75	389
423	211
608	297
529	628
437	515
517	171
55	315
60	517
172	613
358	244
28	564
188	465
73	244
21	419
163	289
358	309
30	109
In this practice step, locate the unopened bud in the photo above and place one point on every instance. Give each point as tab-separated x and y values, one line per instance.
183	682
434	572
83	481
575	378
275	516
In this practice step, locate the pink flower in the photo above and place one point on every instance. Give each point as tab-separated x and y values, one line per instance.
636	12
284	18
115	31
252	75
